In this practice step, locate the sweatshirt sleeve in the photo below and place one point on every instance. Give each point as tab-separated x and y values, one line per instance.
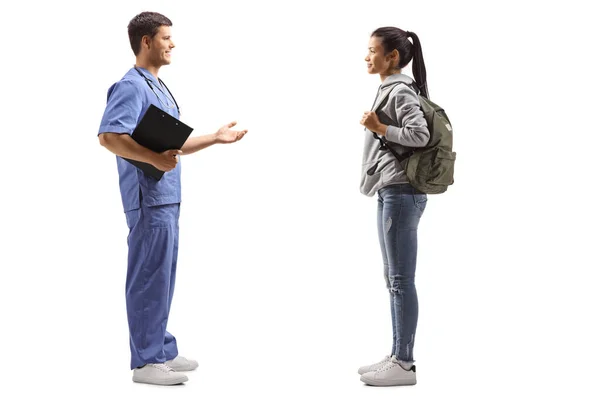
412	128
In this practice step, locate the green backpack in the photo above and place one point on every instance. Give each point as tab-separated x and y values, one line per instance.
429	169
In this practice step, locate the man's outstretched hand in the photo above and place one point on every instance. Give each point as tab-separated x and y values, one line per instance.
226	135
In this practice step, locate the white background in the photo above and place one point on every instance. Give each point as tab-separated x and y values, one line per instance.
280	291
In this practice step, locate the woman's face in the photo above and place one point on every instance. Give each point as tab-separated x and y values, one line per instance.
377	61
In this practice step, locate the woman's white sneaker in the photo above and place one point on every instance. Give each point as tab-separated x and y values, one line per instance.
158	374
374	367
391	374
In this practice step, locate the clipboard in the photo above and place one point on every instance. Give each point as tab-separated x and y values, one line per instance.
158	131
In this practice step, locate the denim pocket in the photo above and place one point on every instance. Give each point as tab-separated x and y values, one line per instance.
420	201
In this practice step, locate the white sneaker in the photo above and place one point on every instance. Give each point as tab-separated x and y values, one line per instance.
374	367
158	374
182	364
391	374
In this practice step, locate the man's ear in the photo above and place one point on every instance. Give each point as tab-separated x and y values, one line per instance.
146	41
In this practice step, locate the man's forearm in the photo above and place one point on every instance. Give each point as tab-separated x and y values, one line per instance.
124	146
198	143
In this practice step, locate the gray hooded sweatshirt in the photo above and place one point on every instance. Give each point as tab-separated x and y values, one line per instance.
407	129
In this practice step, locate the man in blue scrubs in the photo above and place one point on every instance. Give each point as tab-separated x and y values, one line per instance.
151	207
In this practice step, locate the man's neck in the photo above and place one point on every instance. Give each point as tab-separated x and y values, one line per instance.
147	66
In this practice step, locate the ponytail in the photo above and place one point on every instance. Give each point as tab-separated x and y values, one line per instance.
419	71
397	39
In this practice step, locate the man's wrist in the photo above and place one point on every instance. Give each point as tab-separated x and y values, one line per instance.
151	157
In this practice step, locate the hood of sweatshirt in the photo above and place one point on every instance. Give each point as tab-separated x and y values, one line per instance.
387	86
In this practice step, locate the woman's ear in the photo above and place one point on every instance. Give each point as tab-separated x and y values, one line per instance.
396	58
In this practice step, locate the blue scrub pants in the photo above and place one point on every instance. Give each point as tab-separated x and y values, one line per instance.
153	242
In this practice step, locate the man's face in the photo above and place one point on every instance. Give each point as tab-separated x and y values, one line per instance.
160	45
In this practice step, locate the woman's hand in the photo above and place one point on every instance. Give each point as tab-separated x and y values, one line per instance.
372	123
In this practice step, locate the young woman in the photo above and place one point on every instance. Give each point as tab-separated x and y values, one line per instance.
396	120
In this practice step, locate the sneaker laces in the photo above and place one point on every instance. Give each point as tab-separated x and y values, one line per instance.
163	367
382	362
392	363
387	366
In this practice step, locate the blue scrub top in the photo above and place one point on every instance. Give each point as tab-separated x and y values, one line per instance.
127	102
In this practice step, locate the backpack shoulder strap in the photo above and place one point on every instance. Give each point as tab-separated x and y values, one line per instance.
383	140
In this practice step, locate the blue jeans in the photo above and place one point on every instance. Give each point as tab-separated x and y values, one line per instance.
399	210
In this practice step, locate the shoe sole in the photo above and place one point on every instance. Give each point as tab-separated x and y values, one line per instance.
175	381
185	369
368	370
375	382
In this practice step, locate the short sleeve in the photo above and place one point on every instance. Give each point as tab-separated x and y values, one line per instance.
123	108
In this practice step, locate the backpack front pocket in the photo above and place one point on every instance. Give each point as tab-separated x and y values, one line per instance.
442	168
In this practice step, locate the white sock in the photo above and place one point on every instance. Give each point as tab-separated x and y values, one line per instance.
407	365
